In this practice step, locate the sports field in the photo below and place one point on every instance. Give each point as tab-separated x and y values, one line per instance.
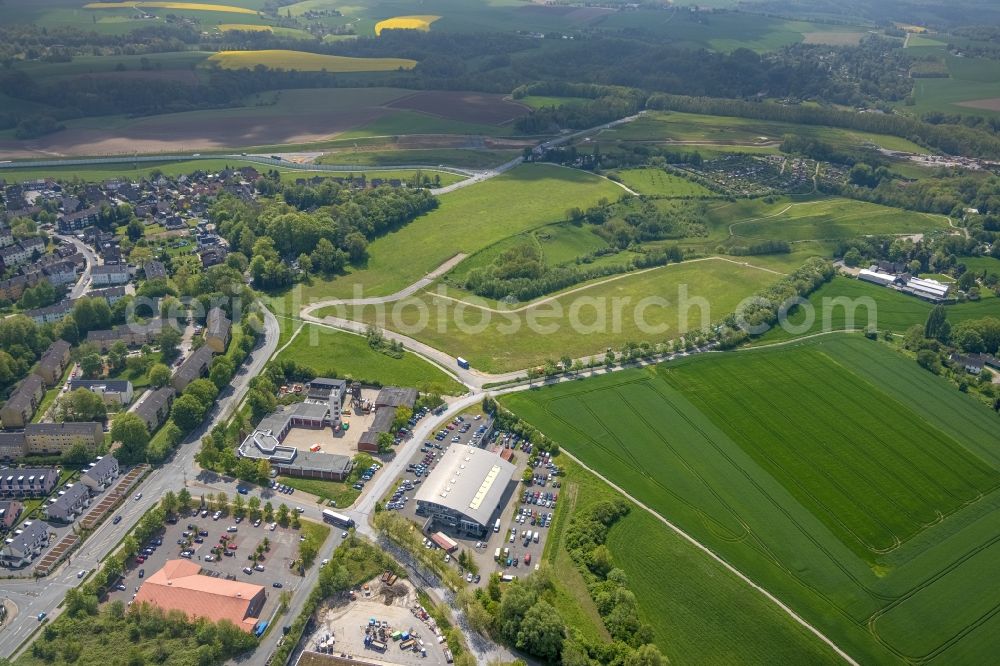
653	305
877	525
467	220
338	354
656	182
305	61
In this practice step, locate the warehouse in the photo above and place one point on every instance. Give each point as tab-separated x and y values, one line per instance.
465	490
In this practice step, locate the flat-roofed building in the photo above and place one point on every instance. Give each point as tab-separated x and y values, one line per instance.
463	493
112	391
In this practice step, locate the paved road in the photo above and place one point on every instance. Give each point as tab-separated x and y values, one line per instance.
44	595
83	283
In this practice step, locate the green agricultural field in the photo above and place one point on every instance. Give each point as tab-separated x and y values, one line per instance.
653	305
156	64
972	88
832	219
980	264
723	130
708	616
656	182
468	220
848	304
876	525
339	354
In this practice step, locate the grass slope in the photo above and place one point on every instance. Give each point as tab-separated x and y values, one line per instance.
345	355
466	221
777	460
657	182
585	321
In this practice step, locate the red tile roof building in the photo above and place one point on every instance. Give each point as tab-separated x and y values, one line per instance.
179	585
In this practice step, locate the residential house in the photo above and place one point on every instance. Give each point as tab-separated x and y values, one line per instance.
25	545
112	391
155	408
12	445
57	438
973	363
217	330
133	335
193	367
60	273
76	220
111	295
6	237
69	503
211	255
28	482
10	511
21	405
101	474
51	314
110	274
53	362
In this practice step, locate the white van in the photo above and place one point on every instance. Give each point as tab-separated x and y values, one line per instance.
535	537
496	526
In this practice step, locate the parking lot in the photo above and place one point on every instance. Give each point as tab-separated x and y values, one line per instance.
524	509
199	535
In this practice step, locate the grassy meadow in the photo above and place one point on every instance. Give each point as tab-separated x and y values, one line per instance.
972	87
467	220
659	183
336	353
653	305
876	526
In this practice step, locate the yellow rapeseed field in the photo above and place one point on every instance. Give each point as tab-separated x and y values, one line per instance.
307	62
246	27
194	6
422	22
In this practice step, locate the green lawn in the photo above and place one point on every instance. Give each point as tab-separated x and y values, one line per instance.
336	353
587	320
342	493
468	220
846	303
849	482
657	182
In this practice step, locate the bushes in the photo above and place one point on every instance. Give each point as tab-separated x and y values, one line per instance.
758	314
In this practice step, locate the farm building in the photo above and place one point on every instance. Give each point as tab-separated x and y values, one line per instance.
929	290
465	490
881	279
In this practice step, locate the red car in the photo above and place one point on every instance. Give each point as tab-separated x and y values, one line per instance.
232	546
140	559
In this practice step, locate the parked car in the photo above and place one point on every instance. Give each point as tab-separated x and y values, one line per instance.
142	573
